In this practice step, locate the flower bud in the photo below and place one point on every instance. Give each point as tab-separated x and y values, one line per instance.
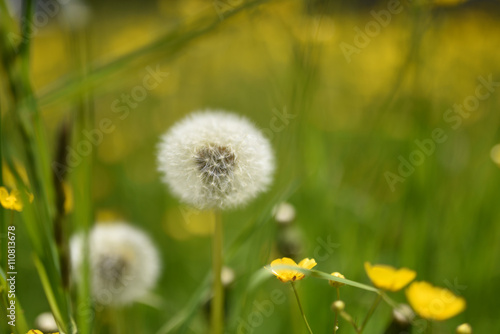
464	329
338	306
336	284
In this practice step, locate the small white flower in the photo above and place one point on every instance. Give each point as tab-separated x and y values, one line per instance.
215	159
124	264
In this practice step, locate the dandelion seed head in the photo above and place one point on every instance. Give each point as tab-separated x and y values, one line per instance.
215	159
46	322
124	263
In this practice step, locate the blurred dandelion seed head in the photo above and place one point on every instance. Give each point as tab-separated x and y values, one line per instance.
495	154
215	159
46	322
284	213
124	263
75	15
403	314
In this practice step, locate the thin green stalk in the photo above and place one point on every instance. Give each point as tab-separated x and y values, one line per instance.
347	317
217	309
370	313
300	308
336	323
81	180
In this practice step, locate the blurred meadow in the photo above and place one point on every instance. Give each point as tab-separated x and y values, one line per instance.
342	113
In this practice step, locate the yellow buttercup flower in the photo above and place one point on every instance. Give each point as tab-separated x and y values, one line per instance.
36	331
10	201
290	275
389	278
434	303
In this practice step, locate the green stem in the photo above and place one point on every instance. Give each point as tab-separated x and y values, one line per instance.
428	328
300	307
370	313
336	323
217	309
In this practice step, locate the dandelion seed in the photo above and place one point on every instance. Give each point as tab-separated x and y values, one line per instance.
124	263
215	159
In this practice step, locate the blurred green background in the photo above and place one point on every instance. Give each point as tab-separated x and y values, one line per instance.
351	118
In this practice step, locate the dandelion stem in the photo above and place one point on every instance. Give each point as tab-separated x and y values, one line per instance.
300	307
217	310
370	313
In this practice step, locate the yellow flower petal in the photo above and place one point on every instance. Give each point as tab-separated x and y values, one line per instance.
4	193
287	275
307	263
389	278
434	303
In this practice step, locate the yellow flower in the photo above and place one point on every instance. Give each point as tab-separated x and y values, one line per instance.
36	331
10	201
336	284
432	302
389	278
286	275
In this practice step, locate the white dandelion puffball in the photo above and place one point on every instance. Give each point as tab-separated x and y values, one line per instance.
215	159
124	263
